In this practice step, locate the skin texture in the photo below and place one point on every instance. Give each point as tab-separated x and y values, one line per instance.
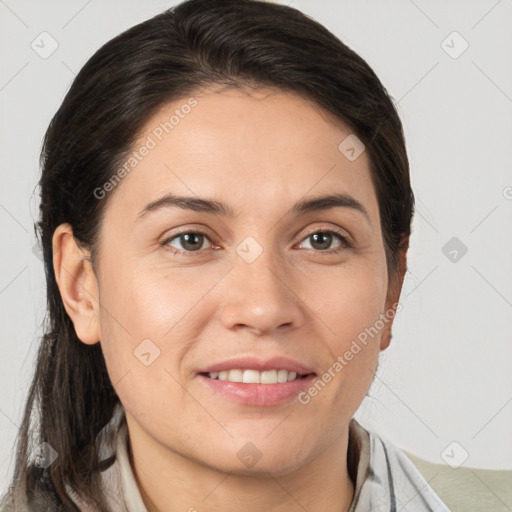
260	153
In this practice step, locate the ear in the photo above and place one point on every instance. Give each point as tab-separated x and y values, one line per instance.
77	284
394	290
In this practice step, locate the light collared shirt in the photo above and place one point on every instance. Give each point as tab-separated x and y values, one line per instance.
386	480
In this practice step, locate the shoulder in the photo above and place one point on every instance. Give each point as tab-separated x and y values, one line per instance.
6	503
41	494
467	489
386	477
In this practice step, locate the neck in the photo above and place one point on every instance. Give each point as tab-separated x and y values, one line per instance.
169	481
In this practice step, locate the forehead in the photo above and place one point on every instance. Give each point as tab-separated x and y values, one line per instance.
248	150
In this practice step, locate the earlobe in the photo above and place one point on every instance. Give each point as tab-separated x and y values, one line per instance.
77	284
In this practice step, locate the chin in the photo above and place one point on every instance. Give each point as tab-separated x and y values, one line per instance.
254	462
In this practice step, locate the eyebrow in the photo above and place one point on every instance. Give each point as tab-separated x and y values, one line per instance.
214	207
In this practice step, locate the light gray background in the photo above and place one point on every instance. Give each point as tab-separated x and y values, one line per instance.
444	390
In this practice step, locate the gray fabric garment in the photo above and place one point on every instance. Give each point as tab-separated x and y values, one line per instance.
386	479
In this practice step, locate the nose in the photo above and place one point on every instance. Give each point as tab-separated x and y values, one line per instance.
261	296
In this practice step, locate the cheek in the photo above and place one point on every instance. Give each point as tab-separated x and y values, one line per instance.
349	305
349	298
143	312
148	301
130	317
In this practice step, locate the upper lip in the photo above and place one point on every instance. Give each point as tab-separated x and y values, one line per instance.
253	363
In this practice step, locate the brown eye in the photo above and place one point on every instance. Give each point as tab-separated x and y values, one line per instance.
189	241
322	240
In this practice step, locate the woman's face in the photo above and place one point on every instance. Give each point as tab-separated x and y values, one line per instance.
262	281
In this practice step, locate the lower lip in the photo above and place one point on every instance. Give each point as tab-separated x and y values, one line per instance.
260	395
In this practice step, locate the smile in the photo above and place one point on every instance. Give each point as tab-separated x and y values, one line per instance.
255	376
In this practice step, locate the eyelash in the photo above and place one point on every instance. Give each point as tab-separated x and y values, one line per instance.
345	243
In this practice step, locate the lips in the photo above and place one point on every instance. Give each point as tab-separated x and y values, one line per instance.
254	363
269	389
257	395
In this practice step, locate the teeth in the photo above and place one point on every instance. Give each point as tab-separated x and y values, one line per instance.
249	376
235	376
282	376
254	376
269	377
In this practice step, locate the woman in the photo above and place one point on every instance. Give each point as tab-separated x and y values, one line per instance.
225	216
